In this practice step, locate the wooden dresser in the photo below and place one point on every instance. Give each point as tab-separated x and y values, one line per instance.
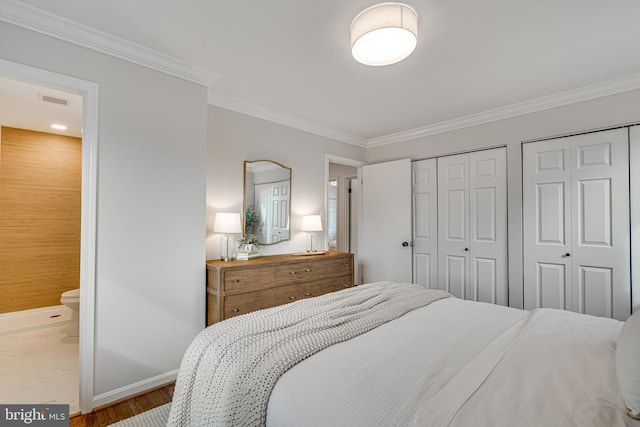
239	287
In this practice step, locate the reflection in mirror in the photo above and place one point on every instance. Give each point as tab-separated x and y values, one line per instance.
332	214
267	201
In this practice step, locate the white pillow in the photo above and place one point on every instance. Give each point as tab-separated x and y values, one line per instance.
628	364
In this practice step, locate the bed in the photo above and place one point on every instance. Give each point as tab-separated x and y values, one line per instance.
389	354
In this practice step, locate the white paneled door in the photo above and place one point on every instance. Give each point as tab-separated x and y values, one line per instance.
472	225
424	183
576	224
453	224
384	249
272	204
280	199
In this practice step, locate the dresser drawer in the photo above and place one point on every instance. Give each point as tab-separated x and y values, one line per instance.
324	286
333	265
264	277
235	305
297	271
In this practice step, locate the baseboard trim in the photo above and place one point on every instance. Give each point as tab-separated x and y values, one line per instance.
129	391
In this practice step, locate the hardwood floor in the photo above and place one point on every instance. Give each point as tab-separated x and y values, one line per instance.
124	409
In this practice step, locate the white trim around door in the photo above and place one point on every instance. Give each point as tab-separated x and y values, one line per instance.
89	92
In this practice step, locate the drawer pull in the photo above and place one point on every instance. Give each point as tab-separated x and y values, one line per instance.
307	294
292	297
235	279
347	265
292	272
235	310
308	270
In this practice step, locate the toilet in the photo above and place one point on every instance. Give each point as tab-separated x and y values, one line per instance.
72	300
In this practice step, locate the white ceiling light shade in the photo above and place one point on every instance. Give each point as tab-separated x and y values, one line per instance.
384	34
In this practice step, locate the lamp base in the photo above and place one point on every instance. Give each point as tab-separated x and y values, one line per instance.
312	240
227	248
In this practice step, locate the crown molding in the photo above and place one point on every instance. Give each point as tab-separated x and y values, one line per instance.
243	106
35	19
32	18
585	93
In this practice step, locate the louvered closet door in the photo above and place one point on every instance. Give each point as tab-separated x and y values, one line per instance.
576	222
425	222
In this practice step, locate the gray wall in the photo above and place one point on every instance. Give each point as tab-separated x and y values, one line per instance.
593	114
234	138
150	292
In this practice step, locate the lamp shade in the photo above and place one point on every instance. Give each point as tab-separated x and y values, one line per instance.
311	223
226	222
384	34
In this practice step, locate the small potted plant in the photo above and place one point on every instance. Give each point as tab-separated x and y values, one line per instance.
249	243
251	219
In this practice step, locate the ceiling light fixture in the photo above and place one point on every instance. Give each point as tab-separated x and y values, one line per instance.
384	34
59	127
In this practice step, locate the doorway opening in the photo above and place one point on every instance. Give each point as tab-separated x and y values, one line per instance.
341	211
88	92
342	206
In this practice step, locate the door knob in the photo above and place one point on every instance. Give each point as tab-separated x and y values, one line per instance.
567	254
466	249
405	244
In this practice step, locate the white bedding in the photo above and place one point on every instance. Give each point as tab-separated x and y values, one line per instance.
460	363
227	373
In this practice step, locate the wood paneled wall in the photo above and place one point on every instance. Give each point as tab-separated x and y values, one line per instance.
40	190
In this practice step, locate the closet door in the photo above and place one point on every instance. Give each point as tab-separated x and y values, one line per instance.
600	230
576	222
546	210
280	199
265	210
472	225
453	224
488	226
425	222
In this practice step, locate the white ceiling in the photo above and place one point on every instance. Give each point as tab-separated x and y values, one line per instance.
290	60
22	107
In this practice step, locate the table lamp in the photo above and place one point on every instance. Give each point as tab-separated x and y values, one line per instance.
311	224
228	224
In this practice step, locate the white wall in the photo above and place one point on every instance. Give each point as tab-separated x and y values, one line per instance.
234	138
150	276
594	114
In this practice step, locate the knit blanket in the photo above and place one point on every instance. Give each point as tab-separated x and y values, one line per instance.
227	373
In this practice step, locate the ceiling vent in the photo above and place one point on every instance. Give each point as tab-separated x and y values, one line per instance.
54	100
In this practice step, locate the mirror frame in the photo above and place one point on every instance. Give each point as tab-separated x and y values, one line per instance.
244	197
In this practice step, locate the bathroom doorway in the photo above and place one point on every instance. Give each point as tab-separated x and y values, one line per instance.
85	93
342	206
341	209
